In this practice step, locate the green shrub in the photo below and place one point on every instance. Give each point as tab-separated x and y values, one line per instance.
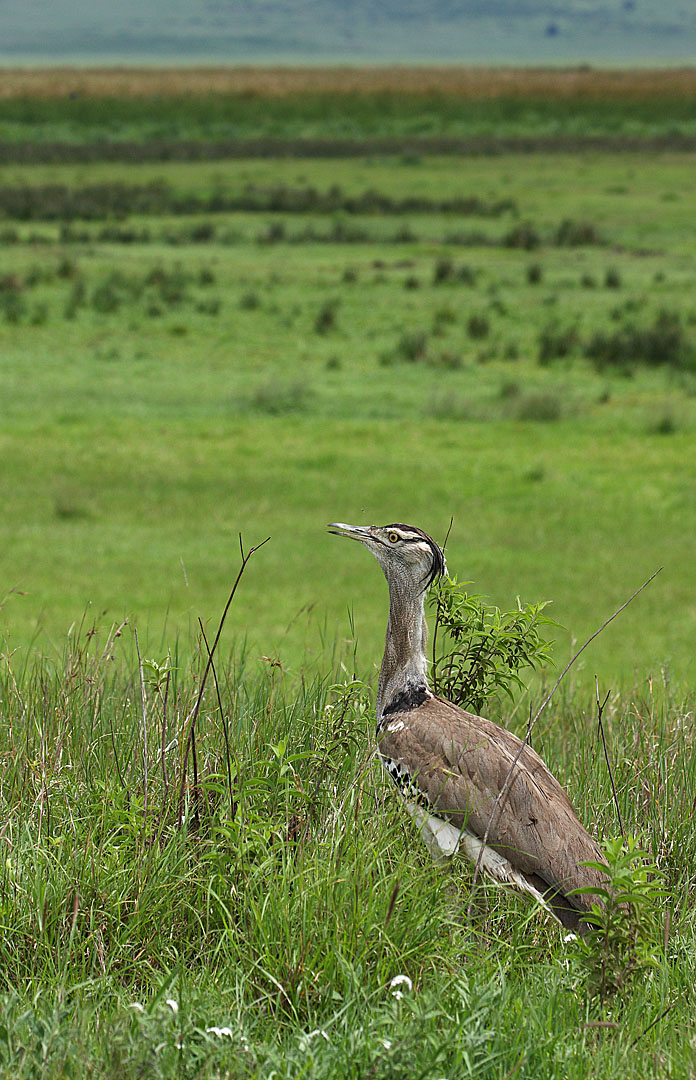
444	271
325	320
483	650
412	346
13	306
523	236
576	234
625	930
555	343
478	327
249	301
664	344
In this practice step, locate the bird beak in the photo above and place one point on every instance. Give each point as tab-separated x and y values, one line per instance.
353	532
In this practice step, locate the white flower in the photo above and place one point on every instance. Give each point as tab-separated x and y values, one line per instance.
173	1005
221	1032
386	1043
400	980
137	1006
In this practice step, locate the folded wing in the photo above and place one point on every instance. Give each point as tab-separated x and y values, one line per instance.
459	763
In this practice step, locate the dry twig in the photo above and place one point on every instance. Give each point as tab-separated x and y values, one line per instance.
191	735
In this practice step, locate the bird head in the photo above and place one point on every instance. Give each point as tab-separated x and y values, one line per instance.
406	554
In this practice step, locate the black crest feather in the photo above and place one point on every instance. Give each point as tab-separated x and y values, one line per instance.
438	566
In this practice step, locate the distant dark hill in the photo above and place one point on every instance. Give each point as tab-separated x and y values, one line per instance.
352	31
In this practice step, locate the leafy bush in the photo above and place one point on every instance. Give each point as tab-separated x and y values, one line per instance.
106	299
209	307
556	342
523	236
478	327
13	306
624	935
249	301
483	650
662	344
576	234
413	346
325	320
444	271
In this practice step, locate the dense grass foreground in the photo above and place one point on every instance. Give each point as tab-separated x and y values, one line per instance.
262	936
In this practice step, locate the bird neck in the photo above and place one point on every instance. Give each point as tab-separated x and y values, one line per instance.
404	665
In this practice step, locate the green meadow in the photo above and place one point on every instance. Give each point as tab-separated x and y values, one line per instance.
170	380
194	350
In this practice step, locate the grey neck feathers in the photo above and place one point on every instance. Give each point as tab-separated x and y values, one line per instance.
404	666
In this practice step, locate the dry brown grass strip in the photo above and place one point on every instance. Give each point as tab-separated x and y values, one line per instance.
464	82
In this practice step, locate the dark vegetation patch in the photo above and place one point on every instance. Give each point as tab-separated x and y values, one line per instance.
152	292
339	231
478	327
325	320
54	152
662	343
117	200
556	342
414	346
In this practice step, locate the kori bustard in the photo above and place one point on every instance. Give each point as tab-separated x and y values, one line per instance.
451	765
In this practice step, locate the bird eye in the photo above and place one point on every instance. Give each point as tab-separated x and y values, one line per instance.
393	537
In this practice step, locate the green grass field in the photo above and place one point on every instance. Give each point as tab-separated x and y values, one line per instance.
191	350
160	397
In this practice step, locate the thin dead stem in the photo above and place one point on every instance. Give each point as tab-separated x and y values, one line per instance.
233	805
191	735
600	729
144	708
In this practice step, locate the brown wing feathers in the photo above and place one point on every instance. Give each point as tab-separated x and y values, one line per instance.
460	762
